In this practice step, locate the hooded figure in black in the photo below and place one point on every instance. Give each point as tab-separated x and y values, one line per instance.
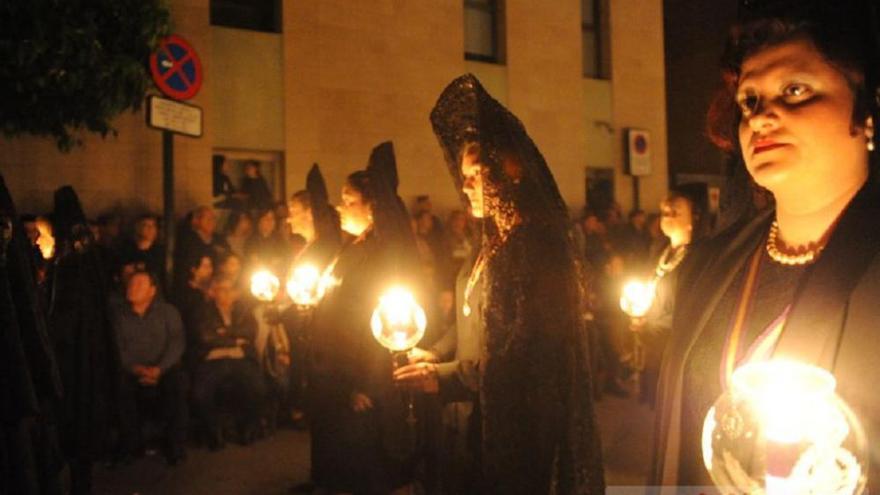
319	217
30	386
325	222
85	344
360	439
537	420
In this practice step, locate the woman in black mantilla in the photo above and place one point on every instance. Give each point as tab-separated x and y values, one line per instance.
538	432
359	433
800	280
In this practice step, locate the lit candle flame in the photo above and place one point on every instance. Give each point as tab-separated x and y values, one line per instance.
398	322
265	285
637	298
802	434
306	286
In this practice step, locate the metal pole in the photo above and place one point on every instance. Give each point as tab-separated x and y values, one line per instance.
168	198
636	200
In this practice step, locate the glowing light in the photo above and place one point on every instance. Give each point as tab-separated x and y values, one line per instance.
398	322
265	285
781	430
637	298
306	285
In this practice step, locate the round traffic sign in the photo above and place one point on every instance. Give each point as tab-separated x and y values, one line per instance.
176	68
641	144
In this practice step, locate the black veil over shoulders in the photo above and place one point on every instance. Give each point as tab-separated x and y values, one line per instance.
538	427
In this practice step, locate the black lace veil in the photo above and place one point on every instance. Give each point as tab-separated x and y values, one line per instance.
465	113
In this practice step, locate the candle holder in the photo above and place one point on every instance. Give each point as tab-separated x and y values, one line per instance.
398	324
780	429
636	300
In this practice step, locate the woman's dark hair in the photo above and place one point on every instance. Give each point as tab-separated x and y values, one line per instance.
259	214
360	182
235	218
842	42
193	262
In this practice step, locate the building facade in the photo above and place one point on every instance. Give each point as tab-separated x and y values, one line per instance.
323	81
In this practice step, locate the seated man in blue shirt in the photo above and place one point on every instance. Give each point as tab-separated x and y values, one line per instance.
151	343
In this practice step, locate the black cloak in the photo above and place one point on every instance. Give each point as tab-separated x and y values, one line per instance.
538	424
30	458
368	451
84	341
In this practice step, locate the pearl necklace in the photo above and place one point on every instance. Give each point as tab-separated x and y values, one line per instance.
778	256
669	260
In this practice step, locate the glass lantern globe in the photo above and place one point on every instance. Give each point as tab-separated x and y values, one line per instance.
398	322
265	285
780	429
305	287
637	297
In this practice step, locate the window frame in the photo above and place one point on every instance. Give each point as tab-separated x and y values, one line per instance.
596	31
495	12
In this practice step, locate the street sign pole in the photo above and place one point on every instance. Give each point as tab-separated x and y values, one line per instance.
168	198
177	72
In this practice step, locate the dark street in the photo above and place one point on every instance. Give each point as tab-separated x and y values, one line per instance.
273	465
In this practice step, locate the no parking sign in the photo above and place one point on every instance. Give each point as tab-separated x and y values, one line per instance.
176	68
639	151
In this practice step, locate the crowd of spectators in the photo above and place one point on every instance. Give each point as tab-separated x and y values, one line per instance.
193	344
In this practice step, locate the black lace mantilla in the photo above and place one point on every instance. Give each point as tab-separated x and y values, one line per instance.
539	431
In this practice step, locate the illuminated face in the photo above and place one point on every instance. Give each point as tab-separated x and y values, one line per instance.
243	227
205	221
46	240
140	289
266	223
147	230
231	267
355	214
676	218
224	293
796	131
472	179
300	220
204	271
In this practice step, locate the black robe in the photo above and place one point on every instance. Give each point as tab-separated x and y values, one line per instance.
354	451
30	385
832	322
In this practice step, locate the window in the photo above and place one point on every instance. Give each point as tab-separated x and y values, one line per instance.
256	15
594	49
482	30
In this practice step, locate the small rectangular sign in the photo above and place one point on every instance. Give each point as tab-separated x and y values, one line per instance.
174	116
638	152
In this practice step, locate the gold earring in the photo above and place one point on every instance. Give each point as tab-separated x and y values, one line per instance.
869	134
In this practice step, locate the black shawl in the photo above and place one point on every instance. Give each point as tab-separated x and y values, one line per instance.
538	426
